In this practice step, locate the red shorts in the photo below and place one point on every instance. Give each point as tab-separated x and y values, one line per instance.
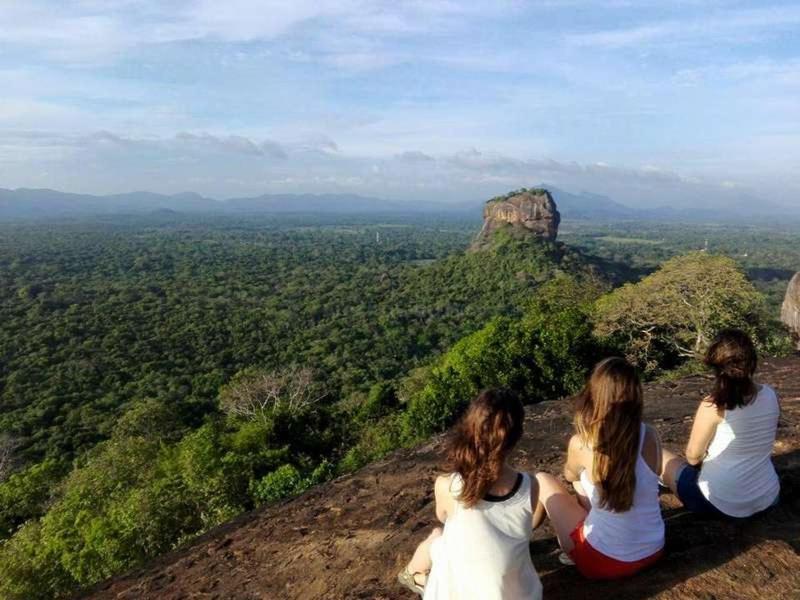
593	564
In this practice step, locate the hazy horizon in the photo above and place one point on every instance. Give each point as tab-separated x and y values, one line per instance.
691	103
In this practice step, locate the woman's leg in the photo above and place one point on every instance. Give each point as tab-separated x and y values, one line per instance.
671	466
563	509
420	564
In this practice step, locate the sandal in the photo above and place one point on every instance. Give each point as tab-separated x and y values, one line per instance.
406	579
564	559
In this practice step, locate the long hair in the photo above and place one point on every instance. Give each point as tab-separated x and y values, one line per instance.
482	439
608	418
733	358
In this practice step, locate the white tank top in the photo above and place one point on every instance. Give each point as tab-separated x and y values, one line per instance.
632	535
737	475
483	553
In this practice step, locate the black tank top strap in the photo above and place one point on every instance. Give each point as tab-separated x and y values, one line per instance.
504	497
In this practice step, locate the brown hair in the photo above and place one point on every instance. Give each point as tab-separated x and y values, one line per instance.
609	420
481	441
733	358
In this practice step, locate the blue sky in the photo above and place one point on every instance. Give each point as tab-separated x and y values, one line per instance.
646	101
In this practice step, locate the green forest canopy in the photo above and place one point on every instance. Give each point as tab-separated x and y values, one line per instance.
162	377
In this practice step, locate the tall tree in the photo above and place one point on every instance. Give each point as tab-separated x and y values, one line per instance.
673	314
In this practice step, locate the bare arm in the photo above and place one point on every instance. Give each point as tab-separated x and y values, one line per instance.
443	497
651	449
705	425
575	459
534	498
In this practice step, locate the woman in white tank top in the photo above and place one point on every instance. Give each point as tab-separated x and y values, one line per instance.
728	469
482	552
613	528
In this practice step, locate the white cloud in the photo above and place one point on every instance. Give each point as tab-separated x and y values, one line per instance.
228	165
714	28
693	87
414	156
245	20
182	143
231	143
98	32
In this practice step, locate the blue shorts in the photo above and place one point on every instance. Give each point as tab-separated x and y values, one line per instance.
690	495
693	499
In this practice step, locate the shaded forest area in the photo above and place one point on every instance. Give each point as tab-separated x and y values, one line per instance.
95	315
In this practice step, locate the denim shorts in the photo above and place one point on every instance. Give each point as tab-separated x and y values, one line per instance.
690	495
693	499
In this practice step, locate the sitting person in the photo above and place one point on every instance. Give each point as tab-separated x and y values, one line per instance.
728	469
487	510
614	527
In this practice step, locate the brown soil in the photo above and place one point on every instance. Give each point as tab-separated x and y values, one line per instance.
348	538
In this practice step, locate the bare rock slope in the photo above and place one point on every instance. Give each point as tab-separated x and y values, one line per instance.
348	538
790	311
527	212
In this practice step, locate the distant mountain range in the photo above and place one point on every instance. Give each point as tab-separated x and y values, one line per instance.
26	203
589	206
29	204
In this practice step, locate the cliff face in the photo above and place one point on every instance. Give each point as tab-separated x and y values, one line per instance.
526	212
348	538
790	311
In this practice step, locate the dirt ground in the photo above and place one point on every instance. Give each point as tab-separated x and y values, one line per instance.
348	538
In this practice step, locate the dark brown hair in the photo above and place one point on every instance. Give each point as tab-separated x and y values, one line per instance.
734	359
608	419
482	439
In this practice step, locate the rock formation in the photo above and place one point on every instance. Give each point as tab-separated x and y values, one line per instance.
525	212
790	312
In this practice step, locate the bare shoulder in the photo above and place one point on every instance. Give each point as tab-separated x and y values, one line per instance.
708	410
578	449
442	484
576	443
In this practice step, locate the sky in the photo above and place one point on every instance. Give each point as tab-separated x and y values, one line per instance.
650	102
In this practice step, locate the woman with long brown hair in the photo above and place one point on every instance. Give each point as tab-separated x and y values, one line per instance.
728	469
487	511
613	528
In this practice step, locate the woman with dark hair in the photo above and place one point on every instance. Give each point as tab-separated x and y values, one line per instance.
487	510
728	468
614	527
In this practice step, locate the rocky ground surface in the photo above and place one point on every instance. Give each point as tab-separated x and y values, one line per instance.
348	538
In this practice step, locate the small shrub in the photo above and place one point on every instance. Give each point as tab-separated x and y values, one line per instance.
381	400
376	440
26	494
283	482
